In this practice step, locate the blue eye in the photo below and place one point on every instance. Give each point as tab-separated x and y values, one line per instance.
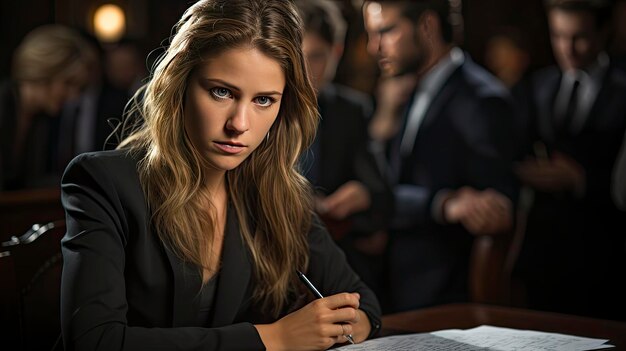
264	101
221	93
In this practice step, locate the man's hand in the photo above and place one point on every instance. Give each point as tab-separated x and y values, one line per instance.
484	212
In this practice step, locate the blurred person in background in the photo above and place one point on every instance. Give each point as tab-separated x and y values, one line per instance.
392	93
618	185
115	75
49	68
451	156
617	48
353	197
124	67
574	240
507	56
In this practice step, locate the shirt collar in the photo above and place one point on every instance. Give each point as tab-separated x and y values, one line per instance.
437	75
593	72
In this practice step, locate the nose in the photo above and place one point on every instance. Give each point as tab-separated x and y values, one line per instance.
238	121
570	47
373	44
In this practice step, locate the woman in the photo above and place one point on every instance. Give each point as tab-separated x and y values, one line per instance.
49	68
190	234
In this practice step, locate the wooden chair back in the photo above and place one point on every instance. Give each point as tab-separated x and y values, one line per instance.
492	261
31	266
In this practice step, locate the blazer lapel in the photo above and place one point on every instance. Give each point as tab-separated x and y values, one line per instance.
234	275
439	101
187	283
233	281
545	96
610	91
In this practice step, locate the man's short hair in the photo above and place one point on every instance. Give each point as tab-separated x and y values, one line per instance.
600	9
413	10
323	18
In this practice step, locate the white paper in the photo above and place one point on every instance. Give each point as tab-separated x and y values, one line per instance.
505	339
410	342
481	338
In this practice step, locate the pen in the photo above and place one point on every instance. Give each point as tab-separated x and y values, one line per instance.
317	294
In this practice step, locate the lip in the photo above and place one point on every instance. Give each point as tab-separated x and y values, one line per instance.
384	62
230	147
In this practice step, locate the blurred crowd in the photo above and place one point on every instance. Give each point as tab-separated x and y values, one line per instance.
408	173
65	92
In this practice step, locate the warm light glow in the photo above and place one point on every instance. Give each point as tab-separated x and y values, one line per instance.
109	22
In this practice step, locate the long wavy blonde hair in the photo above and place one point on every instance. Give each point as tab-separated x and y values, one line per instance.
272	200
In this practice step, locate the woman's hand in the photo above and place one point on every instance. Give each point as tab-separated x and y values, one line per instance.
317	326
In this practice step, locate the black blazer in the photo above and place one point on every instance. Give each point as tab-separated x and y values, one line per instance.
597	144
595	147
342	152
563	227
122	289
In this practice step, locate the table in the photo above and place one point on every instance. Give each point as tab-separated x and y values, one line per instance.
469	315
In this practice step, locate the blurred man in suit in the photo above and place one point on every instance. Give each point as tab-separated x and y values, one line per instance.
451	156
574	241
353	196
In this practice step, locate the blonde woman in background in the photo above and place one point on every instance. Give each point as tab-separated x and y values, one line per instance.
49	68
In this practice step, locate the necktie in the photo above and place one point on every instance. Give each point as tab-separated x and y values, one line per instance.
570	110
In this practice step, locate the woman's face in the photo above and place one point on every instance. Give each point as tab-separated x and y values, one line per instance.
231	102
51	95
319	58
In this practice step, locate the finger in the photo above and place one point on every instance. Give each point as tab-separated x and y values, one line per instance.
477	209
321	205
356	319
342	300
336	330
341	315
502	201
340	210
333	203
346	329
473	225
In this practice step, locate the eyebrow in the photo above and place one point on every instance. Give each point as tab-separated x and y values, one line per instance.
233	87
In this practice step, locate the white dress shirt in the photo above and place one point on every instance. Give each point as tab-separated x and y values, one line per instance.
428	87
590	82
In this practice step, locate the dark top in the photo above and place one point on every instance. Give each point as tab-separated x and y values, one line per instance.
341	153
36	164
577	237
122	289
207	300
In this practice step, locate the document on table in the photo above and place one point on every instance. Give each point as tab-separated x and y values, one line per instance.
481	338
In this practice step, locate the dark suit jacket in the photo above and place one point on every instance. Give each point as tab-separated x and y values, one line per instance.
37	165
342	153
466	138
618	186
122	289
563	227
105	112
